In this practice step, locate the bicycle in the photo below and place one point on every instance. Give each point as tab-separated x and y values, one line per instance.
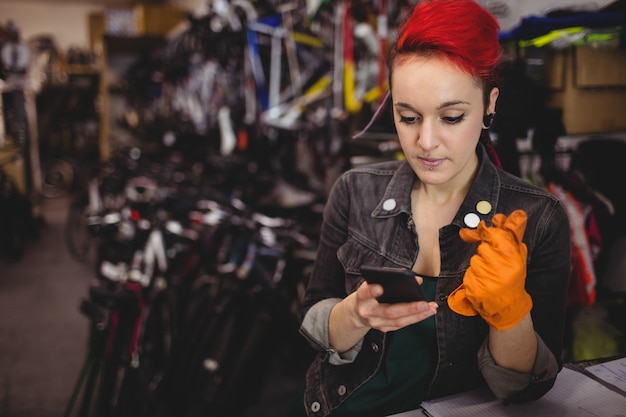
237	314
130	309
104	190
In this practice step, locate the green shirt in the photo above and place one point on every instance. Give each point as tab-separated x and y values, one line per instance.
402	381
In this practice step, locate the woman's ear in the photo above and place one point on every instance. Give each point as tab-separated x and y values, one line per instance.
493	98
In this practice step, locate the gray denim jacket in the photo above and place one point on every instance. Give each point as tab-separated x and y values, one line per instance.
367	220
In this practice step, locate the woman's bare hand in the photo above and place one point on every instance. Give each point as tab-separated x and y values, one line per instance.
389	317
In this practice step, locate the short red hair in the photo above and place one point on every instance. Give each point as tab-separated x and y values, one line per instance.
461	30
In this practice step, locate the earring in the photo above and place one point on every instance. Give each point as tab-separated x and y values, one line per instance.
487	120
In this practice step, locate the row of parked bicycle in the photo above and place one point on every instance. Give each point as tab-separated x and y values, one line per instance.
196	284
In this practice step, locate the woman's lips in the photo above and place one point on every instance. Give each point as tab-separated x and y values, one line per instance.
431	163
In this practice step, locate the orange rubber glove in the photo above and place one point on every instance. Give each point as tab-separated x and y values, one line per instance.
493	285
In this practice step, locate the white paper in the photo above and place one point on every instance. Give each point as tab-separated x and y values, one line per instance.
573	394
613	372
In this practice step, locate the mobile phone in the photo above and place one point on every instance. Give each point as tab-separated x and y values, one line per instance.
399	284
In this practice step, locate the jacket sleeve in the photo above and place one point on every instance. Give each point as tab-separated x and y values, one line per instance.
314	328
547	282
514	386
327	282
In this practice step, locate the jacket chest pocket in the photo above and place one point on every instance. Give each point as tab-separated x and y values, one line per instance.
352	255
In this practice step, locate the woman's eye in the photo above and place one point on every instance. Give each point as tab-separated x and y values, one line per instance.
453	120
408	119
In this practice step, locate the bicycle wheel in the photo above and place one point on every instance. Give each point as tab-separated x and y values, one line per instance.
78	238
57	178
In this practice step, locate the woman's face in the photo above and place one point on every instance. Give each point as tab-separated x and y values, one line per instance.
438	112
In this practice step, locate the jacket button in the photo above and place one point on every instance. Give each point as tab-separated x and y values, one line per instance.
443	297
315	407
341	390
389	204
375	347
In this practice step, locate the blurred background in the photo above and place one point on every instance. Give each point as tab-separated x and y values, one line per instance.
164	166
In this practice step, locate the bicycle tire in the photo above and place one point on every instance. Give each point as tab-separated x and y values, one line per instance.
57	178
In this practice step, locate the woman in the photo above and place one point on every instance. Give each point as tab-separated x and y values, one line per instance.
498	246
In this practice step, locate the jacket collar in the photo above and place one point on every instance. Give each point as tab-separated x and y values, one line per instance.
484	192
